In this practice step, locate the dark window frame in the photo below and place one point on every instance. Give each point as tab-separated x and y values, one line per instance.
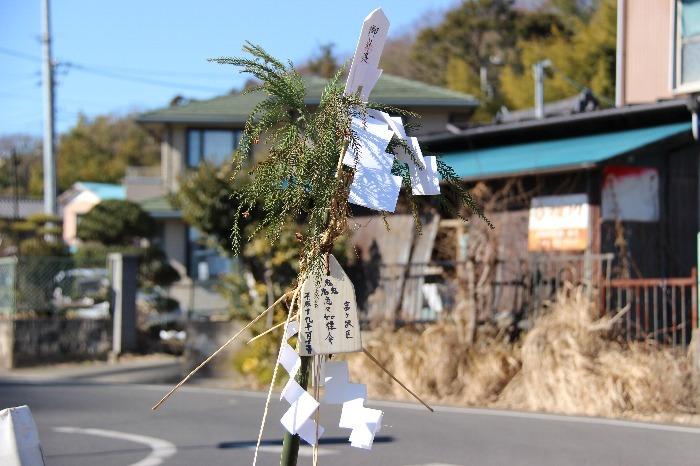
236	132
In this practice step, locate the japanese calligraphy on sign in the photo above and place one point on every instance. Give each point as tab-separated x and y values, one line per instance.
364	72
328	321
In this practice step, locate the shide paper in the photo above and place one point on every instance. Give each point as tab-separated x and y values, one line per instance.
374	186
364	422
425	182
297	419
375	189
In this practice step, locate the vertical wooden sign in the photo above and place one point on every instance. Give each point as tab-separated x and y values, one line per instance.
328	321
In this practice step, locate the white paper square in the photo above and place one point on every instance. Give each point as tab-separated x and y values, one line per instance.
362	436
299	412
291	391
19	438
372	139
307	432
290	360
425	182
339	393
292	329
351	414
375	189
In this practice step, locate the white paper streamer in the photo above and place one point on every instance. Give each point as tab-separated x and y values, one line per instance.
297	419
425	180
364	422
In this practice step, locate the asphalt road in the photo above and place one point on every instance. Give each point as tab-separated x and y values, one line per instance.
111	425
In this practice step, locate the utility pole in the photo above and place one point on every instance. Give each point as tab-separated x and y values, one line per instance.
15	166
48	84
538	71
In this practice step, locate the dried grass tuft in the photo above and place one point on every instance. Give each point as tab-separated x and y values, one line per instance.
569	363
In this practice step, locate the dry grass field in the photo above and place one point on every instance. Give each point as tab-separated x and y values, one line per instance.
569	362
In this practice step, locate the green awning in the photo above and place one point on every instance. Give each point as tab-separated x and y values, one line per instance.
555	155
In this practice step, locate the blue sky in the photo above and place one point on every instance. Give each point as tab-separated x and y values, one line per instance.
163	41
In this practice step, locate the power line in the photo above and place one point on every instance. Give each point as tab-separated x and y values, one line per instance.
153	72
139	79
114	73
17	54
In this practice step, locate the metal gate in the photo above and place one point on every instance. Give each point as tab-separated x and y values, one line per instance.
661	309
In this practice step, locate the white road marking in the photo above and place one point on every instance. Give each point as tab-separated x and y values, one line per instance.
160	449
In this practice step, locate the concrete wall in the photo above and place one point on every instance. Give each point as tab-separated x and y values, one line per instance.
29	342
142	188
647	50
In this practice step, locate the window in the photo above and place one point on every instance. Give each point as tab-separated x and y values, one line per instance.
204	263
686	69
211	145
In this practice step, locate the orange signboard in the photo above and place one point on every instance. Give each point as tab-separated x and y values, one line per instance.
558	223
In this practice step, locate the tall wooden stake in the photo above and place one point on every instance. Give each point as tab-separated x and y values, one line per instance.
362	77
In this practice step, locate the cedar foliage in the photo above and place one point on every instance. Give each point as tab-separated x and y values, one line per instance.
302	179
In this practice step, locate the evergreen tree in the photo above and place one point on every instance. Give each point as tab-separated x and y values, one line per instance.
584	58
324	63
101	148
115	222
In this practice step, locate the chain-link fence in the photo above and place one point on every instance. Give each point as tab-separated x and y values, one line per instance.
44	286
8	267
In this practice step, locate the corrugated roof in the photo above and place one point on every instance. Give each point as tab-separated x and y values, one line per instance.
235	108
105	191
555	155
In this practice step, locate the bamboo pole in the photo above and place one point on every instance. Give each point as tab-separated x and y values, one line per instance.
290	444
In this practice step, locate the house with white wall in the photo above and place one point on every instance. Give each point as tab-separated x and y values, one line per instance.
79	199
209	130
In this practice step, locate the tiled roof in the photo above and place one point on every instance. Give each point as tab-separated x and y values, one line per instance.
235	108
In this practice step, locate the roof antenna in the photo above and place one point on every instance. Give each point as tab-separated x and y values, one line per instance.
538	71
